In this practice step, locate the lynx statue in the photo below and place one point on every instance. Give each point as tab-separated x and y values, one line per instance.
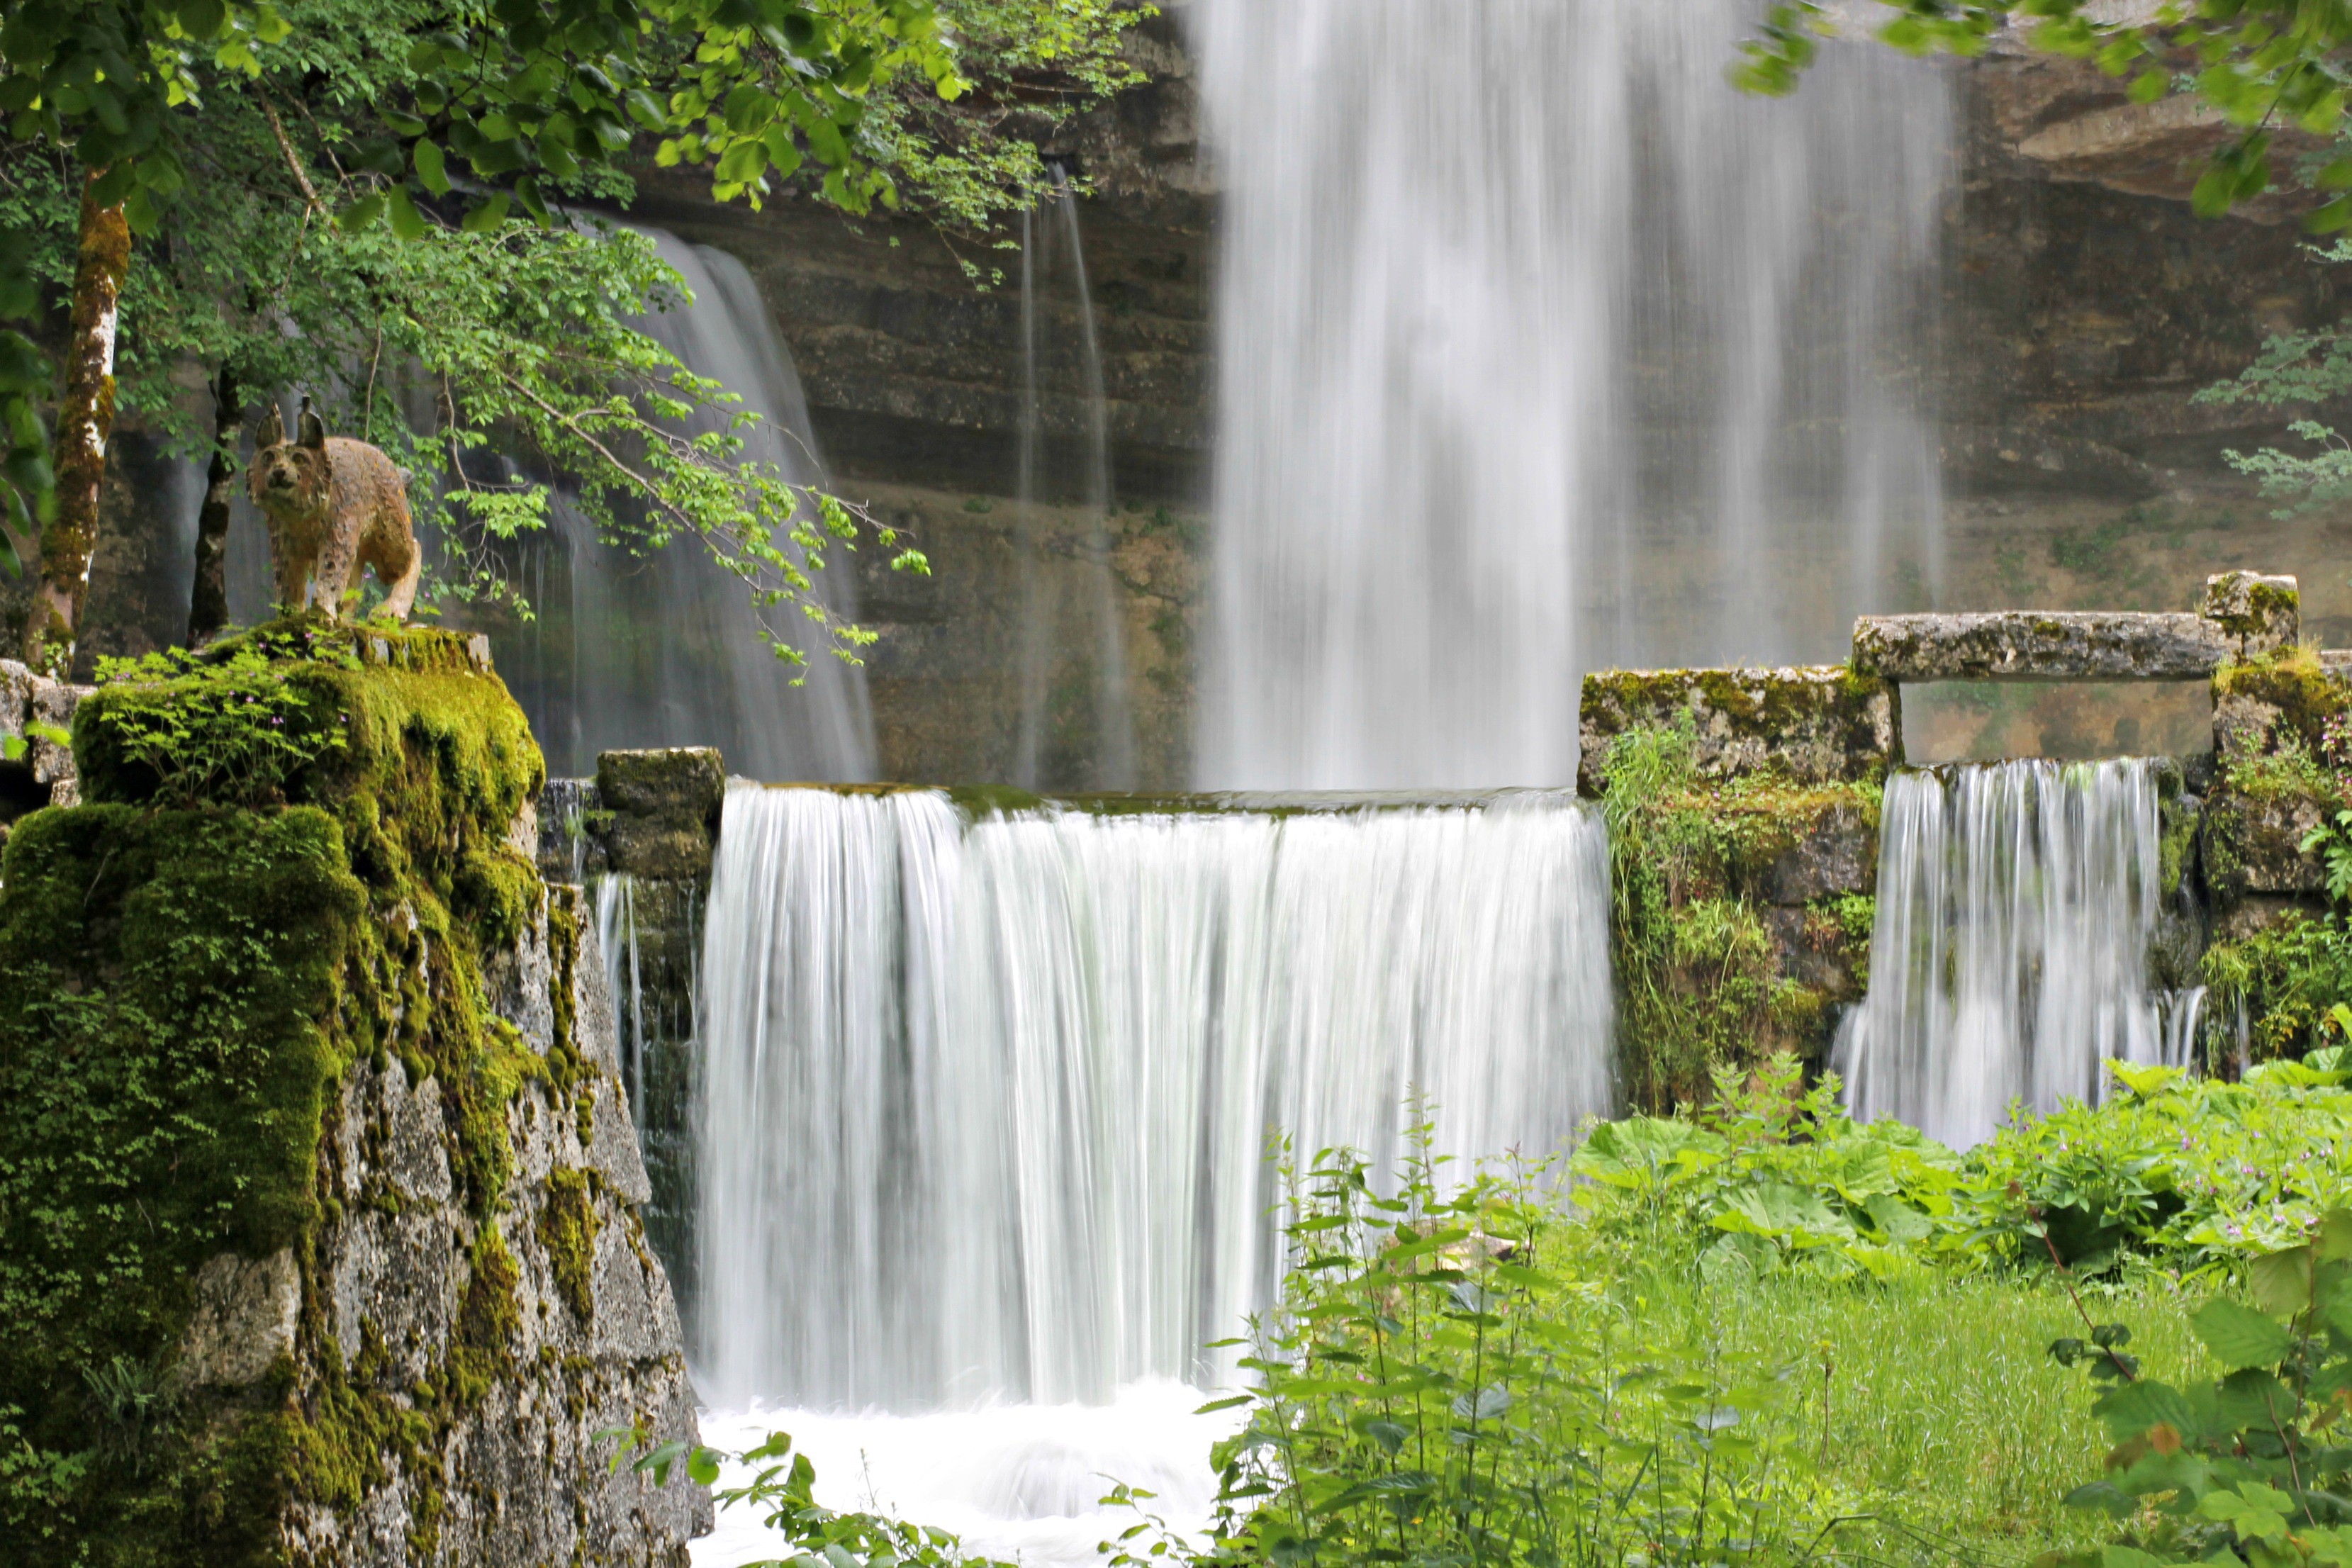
333	506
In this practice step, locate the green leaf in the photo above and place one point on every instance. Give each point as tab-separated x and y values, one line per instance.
406	221
361	213
2280	1282
202	19
2238	1335
487	215
431	167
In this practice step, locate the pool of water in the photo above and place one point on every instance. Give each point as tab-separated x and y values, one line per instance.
1021	1482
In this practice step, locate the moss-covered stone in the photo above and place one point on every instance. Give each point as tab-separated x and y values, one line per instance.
2260	614
665	808
1735	932
567	1228
1809	725
314	1023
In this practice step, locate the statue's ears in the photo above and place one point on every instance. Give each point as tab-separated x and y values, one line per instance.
314	429
272	432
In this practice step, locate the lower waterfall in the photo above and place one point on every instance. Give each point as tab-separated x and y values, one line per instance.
985	1098
2016	905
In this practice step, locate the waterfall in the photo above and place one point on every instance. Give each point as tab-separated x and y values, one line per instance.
663	649
2016	904
985	1098
1540	347
1043	624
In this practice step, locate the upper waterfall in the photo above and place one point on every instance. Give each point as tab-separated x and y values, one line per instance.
664	649
1540	347
985	1102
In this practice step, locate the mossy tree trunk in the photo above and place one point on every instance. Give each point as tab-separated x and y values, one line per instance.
85	425
208	604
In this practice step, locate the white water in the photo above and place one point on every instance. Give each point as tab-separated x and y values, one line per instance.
663	649
2016	903
1014	1481
985	1105
1541	348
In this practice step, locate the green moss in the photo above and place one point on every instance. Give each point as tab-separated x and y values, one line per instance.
567	1229
2293	682
181	991
2286	977
1700	975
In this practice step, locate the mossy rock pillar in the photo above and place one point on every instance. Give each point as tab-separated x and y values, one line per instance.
320	1239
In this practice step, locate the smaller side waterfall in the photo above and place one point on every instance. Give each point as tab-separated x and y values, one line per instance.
1045	755
985	1102
2016	905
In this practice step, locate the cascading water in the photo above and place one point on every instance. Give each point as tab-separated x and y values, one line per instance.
664	650
1541	347
1042	621
2016	906
985	1103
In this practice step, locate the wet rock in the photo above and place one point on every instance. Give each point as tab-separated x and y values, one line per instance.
2039	644
664	809
1810	724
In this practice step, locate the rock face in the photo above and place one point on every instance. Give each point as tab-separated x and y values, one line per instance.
1817	724
595	1339
645	865
37	711
360	1269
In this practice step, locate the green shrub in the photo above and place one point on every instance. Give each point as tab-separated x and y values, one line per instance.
2248	1468
1445	1380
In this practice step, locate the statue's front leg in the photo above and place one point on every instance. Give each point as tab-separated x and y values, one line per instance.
338	560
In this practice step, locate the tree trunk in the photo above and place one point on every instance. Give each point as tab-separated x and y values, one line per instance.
85	425
208	606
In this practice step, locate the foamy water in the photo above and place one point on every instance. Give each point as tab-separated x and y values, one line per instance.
1022	1482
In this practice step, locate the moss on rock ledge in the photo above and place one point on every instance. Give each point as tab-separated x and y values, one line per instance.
321	1012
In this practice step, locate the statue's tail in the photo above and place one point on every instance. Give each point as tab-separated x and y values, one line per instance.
402	594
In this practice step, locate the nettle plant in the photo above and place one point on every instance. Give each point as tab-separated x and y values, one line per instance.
1438	1385
235	729
2251	1466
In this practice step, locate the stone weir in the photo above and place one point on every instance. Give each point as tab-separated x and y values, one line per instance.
1744	807
320	1205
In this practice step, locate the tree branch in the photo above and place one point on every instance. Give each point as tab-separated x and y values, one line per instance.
293	164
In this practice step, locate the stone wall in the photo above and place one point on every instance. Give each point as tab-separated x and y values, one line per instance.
322	1211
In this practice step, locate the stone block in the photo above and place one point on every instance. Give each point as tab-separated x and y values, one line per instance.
1810	724
32	708
2254	846
2260	614
1835	852
664	809
2039	644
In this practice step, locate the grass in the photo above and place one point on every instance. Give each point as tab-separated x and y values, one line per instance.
1946	1410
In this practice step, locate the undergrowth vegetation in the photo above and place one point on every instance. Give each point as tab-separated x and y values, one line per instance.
1760	1332
1699	981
